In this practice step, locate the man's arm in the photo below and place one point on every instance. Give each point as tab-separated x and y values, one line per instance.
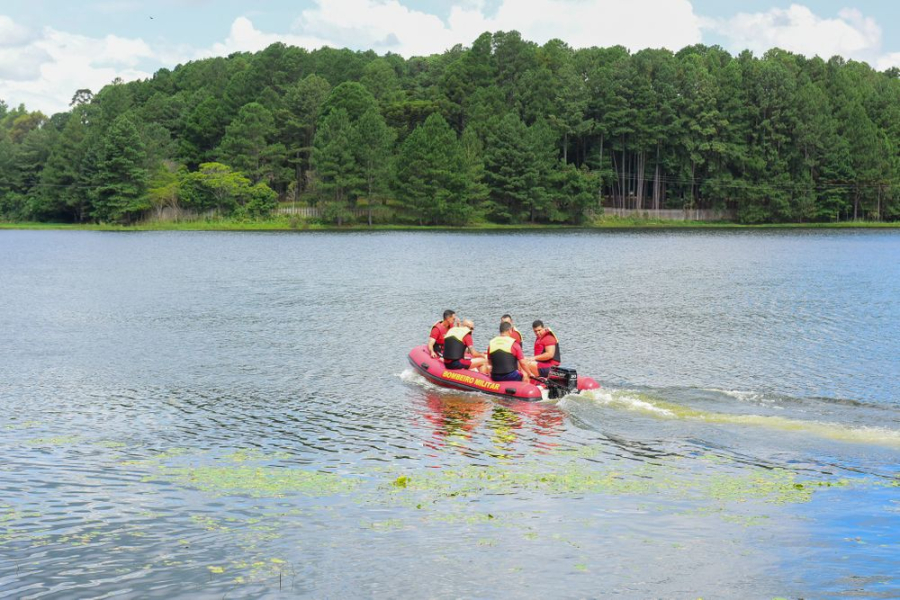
547	354
431	351
523	369
475	353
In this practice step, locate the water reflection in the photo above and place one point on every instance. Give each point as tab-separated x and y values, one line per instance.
453	419
474	424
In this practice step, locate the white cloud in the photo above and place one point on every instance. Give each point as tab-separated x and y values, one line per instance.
21	64
44	72
888	60
798	29
388	25
13	34
244	37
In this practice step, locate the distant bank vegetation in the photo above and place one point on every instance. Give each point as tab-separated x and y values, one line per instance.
504	131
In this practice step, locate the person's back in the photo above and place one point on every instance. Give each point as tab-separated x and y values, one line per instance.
506	357
457	341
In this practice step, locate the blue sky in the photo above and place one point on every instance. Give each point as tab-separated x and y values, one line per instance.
50	48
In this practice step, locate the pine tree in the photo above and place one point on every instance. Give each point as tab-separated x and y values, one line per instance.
372	142
122	176
246	145
60	191
335	162
431	175
511	171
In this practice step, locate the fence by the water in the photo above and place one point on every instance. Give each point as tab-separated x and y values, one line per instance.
667	214
170	213
314	212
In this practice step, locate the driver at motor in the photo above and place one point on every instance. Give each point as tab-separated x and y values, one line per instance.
546	349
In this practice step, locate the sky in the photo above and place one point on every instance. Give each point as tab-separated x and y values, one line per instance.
51	48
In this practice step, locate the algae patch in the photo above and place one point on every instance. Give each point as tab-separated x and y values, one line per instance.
257	481
61	440
770	486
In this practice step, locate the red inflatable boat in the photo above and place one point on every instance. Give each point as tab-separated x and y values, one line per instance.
561	381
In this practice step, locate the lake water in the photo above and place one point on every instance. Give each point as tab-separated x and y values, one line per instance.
232	415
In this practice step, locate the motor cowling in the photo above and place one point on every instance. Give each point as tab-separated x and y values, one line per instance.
563	381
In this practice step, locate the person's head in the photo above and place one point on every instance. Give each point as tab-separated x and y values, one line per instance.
506	319
449	315
505	328
469	324
538	327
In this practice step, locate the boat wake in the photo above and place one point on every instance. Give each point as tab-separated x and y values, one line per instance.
651	406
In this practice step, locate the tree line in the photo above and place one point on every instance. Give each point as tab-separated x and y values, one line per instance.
504	130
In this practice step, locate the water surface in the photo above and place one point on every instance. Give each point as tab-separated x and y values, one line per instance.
209	414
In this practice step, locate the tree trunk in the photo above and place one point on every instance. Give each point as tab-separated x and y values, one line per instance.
565	147
693	167
878	212
298	172
600	199
369	199
656	181
642	158
623	185
615	182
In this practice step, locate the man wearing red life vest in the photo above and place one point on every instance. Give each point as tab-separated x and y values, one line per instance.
438	331
546	350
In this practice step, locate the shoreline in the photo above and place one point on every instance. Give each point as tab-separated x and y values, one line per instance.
285	225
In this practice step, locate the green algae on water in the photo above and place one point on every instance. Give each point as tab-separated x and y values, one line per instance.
243	455
62	440
771	486
258	481
22	425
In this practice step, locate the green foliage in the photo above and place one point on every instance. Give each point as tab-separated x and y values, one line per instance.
163	187
216	187
121	180
431	176
539	134
373	140
334	160
351	97
513	171
303	103
247	144
62	198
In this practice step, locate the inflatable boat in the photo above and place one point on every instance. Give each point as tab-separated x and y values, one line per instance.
562	381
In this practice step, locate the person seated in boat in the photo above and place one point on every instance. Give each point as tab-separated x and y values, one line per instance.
438	330
515	332
506	357
546	350
458	341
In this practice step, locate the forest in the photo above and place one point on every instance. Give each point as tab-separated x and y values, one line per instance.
502	131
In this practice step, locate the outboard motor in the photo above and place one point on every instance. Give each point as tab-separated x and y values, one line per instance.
562	381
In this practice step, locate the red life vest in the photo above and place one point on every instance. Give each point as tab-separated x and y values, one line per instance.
439	341
543	342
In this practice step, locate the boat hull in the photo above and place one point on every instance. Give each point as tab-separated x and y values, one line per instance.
433	370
